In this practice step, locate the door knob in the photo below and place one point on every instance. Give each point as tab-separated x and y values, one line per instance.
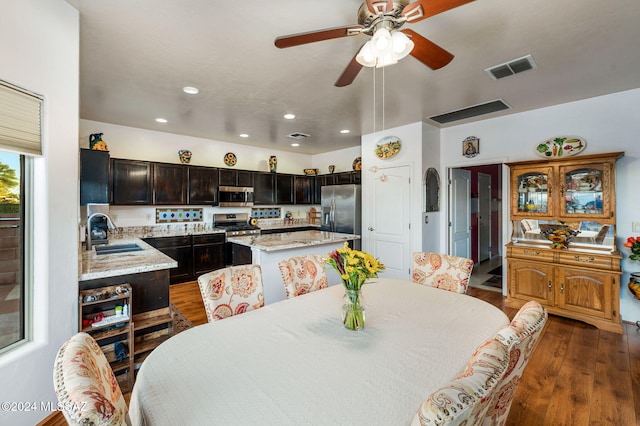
371	228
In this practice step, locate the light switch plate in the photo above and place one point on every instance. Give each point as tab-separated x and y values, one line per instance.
635	226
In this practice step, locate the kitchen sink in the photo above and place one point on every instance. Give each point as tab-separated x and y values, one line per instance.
117	248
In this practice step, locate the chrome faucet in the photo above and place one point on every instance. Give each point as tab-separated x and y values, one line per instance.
110	225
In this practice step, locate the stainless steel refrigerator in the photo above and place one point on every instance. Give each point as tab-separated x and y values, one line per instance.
341	211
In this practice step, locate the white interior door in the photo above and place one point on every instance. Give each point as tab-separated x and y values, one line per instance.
389	230
484	216
460	213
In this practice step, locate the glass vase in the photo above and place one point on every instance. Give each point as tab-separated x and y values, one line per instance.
353	314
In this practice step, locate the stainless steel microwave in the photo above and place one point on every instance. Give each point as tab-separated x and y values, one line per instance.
235	196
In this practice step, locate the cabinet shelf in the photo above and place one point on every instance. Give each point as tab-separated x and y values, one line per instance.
148	345
100	334
107	335
150	322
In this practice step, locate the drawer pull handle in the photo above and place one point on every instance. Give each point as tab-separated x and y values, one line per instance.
587	260
535	253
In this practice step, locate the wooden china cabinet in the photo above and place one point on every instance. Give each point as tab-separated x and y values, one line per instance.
581	281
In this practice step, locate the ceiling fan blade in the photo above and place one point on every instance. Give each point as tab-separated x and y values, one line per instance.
423	9
379	6
350	73
427	52
319	35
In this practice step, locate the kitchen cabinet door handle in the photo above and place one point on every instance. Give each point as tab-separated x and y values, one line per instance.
562	288
549	285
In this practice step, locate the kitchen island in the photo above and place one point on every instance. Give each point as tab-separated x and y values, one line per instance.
146	270
268	250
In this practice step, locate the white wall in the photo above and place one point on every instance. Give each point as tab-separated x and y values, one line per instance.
39	43
608	123
431	221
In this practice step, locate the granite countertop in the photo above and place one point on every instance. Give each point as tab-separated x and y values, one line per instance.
289	240
95	266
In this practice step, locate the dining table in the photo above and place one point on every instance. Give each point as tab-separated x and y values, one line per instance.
294	363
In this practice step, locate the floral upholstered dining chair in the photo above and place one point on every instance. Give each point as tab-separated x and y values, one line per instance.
86	388
231	291
303	274
465	400
442	271
521	335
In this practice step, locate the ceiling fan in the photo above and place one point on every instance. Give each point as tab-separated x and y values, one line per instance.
382	20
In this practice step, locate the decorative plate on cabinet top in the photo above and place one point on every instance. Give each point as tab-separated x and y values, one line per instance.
561	146
388	147
230	159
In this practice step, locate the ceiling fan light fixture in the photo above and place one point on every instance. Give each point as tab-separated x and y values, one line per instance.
365	56
402	45
381	43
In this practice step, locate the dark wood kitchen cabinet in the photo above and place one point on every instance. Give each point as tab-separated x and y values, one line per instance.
284	189
94	176
203	185
230	177
132	182
264	187
304	189
180	250
196	255
208	253
169	184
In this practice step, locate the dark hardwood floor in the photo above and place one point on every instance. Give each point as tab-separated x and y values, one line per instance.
578	375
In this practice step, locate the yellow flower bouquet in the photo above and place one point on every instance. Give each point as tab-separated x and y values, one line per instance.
354	268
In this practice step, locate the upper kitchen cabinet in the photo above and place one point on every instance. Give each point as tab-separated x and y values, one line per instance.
132	182
169	184
264	187
284	189
232	177
94	176
574	188
304	189
203	185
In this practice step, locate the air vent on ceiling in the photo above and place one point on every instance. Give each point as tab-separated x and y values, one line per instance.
472	111
512	67
298	135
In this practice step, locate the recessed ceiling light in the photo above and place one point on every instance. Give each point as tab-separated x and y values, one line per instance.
345	131
190	90
244	135
161	120
289	116
295	144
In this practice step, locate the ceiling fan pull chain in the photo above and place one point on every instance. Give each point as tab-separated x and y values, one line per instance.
374	100
383	99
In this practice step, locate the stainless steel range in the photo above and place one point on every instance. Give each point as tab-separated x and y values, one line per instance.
235	224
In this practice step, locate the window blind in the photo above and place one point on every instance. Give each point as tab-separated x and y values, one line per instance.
20	120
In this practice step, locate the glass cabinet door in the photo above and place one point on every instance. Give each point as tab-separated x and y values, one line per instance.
531	188
585	191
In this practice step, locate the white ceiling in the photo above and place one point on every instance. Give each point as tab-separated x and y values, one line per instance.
135	56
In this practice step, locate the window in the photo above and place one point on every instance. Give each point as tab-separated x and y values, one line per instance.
12	254
20	140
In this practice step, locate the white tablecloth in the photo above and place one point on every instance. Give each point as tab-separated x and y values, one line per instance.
294	363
